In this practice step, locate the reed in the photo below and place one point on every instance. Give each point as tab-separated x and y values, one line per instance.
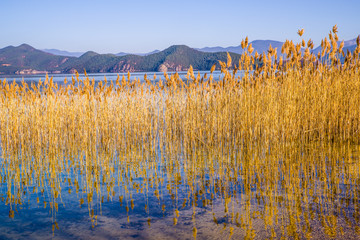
215	138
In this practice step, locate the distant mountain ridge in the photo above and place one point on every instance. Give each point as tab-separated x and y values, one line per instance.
348	45
25	59
259	45
139	54
62	53
78	54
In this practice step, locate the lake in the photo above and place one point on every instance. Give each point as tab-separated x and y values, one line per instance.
166	165
168	193
59	78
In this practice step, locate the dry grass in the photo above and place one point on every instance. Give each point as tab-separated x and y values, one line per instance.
281	125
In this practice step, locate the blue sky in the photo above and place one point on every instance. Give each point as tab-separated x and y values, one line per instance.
136	26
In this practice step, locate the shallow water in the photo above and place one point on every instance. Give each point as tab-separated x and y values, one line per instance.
177	192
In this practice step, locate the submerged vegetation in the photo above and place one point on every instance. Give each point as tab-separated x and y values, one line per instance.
275	149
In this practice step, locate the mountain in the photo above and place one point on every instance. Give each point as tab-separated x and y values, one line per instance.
259	45
174	58
155	51
120	54
78	54
215	49
92	62
348	45
25	59
263	45
63	53
58	52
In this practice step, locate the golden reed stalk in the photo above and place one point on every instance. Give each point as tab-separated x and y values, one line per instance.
284	115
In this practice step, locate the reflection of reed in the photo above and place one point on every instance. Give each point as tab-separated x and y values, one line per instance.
279	145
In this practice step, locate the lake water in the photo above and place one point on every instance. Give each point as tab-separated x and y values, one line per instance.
163	187
59	78
167	194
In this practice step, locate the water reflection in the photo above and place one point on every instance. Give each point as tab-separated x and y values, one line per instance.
195	189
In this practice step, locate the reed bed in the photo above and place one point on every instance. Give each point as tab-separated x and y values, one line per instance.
284	134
